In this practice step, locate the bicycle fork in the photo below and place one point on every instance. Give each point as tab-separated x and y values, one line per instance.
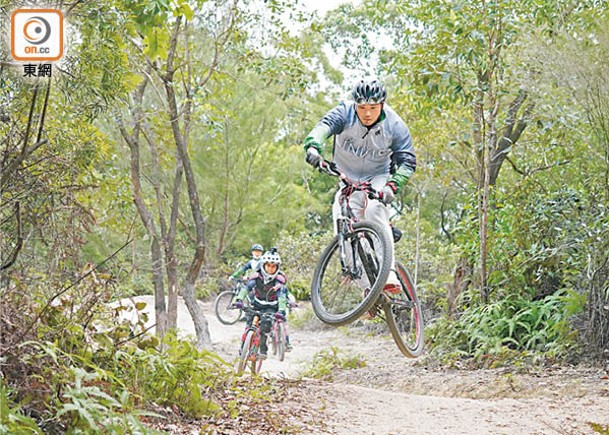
352	270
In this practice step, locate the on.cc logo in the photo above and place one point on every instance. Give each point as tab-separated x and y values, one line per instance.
37	34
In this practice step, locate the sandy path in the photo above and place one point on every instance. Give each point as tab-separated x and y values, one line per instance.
394	395
362	410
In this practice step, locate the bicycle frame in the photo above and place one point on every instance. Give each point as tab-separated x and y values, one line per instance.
346	219
237	288
252	353
256	328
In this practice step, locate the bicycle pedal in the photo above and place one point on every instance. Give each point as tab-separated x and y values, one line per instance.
371	313
392	289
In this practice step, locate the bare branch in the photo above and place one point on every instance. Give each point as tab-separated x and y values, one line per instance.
13	257
61	292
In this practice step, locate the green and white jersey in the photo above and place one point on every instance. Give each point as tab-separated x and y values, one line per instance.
363	153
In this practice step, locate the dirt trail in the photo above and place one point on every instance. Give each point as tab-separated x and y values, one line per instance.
396	395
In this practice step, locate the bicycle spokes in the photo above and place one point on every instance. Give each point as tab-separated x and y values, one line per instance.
224	309
350	267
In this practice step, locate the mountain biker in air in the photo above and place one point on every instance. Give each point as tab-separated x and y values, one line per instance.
371	143
268	294
251	265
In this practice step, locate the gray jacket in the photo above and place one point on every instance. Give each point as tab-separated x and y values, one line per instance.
363	153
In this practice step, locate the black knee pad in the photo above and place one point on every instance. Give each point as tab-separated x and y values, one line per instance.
397	234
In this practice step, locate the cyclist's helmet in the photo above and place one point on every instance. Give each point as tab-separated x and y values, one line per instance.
257	247
369	92
272	258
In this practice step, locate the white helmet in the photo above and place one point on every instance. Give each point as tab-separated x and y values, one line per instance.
273	258
369	92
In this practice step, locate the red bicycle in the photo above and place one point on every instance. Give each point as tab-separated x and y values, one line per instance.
250	349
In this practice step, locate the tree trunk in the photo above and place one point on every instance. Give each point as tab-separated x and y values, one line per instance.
181	141
511	133
170	257
460	283
480	138
488	146
198	317
155	246
226	208
167	232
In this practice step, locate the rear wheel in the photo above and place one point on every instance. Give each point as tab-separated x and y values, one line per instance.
280	340
404	316
246	351
343	291
272	338
225	312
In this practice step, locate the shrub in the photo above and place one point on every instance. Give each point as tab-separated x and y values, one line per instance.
327	361
512	324
79	367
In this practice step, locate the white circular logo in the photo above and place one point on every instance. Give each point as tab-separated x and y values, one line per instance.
36	30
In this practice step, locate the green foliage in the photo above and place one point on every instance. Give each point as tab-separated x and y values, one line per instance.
326	362
535	246
90	409
87	367
12	419
486	332
180	375
249	166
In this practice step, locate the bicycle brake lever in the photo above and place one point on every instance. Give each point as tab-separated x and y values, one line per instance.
329	168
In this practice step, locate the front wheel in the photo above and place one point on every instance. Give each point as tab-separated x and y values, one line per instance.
351	274
226	313
247	350
257	365
404	316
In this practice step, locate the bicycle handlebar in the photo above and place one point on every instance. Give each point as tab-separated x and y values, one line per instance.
330	168
250	310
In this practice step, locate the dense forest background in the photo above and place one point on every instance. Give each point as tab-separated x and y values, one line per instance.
169	139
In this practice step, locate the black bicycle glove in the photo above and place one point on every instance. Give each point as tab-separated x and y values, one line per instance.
313	158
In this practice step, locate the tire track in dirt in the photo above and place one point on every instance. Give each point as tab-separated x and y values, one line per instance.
394	395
